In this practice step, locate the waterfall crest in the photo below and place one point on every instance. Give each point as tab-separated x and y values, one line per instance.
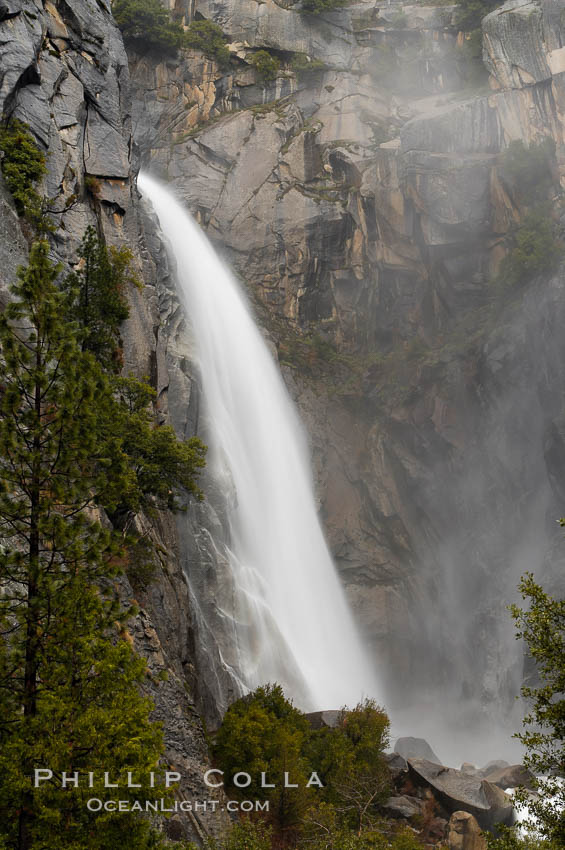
293	623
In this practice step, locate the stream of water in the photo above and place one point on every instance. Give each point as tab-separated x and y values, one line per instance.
293	623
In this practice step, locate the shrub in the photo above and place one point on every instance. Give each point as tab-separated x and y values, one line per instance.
92	186
535	249
302	64
471	12
23	164
316	7
209	38
267	66
145	23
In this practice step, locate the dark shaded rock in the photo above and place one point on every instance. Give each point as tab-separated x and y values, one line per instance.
415	748
458	791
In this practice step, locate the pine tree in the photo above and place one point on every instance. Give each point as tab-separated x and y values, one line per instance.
155	464
98	297
69	695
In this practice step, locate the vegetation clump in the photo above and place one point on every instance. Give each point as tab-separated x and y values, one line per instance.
270	736
535	249
146	23
266	65
23	165
303	64
209	38
317	7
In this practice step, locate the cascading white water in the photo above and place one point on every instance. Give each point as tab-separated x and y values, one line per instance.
295	626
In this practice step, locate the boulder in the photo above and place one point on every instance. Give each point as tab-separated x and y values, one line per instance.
512	776
403	806
396	763
415	748
323	719
458	791
469	768
465	833
493	765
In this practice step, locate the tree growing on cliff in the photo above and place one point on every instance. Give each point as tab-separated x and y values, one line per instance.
155	466
23	165
69	697
208	37
146	25
97	297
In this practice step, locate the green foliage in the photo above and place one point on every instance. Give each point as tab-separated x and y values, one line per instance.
245	835
97	299
534	250
147	24
154	466
351	764
264	733
324	831
267	66
302	64
69	695
158	463
316	7
542	627
209	38
528	170
23	165
511	838
471	12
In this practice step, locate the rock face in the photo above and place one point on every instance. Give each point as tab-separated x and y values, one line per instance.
365	205
64	72
459	791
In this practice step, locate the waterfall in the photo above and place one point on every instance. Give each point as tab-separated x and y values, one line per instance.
293	623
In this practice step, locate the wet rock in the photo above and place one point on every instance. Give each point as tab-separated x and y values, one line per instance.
415	748
465	833
458	791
